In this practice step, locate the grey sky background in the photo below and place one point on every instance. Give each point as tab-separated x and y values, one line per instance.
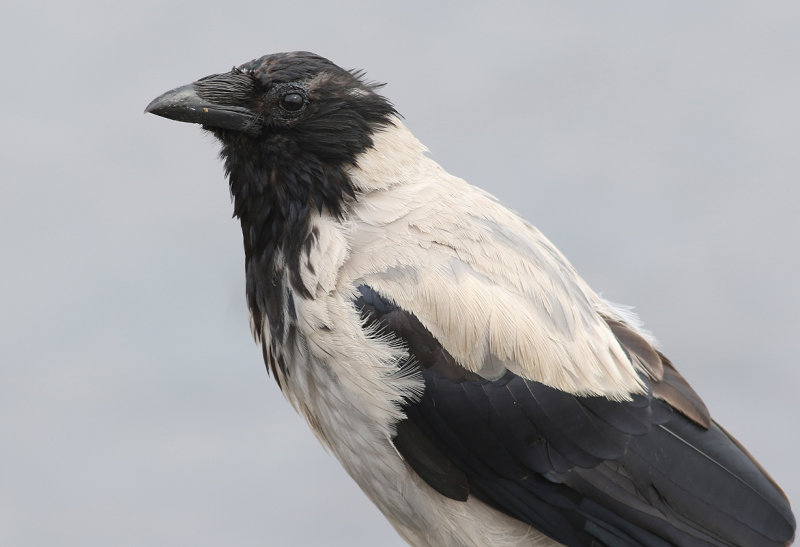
655	143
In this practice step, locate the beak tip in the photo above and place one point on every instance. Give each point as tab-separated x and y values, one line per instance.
173	103
157	106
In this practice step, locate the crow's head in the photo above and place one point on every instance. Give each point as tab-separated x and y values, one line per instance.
290	124
291	127
301	103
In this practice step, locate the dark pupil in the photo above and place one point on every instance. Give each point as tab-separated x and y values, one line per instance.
292	101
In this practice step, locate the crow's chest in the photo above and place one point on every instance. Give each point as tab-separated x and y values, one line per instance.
293	285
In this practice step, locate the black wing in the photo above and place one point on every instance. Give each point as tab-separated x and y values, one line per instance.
583	470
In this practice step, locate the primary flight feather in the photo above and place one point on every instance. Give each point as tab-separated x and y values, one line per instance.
466	377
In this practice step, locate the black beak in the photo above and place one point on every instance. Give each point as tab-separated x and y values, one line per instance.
215	102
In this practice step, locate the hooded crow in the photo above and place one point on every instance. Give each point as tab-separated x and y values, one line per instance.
466	377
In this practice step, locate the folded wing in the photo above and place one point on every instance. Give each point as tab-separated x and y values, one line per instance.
581	469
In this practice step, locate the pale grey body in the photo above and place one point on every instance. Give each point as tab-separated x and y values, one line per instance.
492	290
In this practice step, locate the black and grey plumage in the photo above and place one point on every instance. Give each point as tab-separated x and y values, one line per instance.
472	384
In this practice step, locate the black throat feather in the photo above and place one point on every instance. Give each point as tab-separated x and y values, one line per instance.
276	186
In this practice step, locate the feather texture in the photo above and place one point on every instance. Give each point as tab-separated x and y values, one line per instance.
467	378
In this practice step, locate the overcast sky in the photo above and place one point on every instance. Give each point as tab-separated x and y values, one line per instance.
655	143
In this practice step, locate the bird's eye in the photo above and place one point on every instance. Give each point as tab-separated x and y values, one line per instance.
292	101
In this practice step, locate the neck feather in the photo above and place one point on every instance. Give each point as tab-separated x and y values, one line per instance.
276	188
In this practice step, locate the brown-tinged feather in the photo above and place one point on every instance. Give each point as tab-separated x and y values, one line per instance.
638	348
676	391
667	383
